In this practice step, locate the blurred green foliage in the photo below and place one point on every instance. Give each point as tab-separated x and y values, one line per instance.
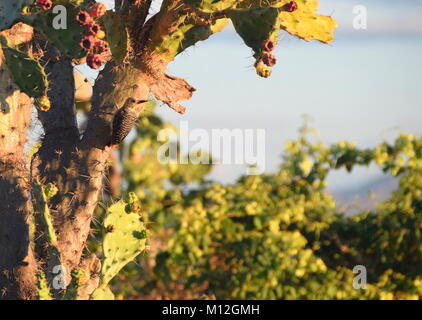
278	235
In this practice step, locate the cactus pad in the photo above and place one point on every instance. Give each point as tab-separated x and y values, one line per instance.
102	293
254	4
66	40
9	12
116	35
256	25
28	74
211	6
186	35
124	239
304	23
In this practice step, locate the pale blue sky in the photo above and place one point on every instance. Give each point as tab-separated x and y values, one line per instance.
366	86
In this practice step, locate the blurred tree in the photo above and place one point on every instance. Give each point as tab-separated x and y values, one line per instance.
276	236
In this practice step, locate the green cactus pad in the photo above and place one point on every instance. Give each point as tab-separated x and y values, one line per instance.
102	293
28	74
256	25
185	36
254	4
124	240
211	6
257	21
116	35
66	40
9	12
306	24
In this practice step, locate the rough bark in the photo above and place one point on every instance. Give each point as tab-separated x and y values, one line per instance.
17	263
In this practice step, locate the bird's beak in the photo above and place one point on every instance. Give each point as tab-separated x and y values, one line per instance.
141	101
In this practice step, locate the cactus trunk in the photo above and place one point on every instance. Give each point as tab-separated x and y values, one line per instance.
17	263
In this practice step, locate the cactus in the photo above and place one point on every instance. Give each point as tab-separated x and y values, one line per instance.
186	35
262	70
28	74
43	291
102	293
94	61
195	33
212	6
254	4
66	40
116	35
9	12
79	278
257	22
259	27
179	29
256	27
98	10
306	24
41	194
125	238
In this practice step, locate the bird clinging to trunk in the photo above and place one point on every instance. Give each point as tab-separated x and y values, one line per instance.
124	119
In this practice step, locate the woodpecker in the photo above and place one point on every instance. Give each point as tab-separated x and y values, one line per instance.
124	119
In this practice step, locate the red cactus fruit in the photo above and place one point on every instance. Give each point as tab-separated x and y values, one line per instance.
268	45
98	10
94	61
101	46
269	59
83	18
291	6
93	28
45	4
87	42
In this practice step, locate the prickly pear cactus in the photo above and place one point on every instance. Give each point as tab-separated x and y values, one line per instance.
187	29
306	24
28	74
124	239
187	35
10	11
102	293
66	40
254	4
259	30
258	23
116	35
